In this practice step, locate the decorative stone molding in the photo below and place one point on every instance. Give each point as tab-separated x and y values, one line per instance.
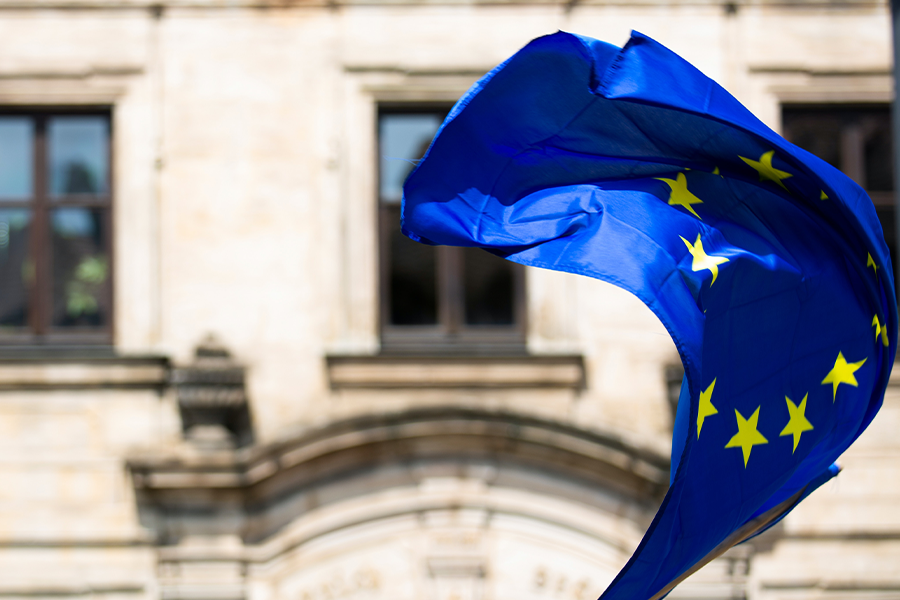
212	398
48	372
391	371
239	492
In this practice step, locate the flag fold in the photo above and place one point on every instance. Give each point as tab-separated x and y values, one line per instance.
766	265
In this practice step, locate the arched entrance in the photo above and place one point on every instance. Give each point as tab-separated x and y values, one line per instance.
442	504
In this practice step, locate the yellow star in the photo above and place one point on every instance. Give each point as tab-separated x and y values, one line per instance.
765	169
679	194
706	408
747	435
797	422
716	172
702	260
880	330
842	373
823	195
871	263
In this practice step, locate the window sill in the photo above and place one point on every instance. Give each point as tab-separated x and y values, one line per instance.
386	371
68	368
493	342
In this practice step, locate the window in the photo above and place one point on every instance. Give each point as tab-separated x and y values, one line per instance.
856	140
437	298
55	198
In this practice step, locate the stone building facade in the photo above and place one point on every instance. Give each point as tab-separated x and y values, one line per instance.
207	387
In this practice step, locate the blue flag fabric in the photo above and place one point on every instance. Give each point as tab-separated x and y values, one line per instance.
767	266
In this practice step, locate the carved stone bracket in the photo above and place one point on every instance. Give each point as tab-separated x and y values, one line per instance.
212	398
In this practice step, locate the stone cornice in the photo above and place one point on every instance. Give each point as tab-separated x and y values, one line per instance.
253	481
47	373
158	8
386	371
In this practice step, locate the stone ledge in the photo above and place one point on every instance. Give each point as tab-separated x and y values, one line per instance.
86	373
71	589
160	7
75	543
862	535
385	371
156	7
848	585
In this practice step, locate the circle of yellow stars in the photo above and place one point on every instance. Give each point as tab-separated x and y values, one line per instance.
748	434
843	371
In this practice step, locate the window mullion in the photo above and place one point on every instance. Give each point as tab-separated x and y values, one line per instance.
384	265
40	256
450	293
852	151
62	277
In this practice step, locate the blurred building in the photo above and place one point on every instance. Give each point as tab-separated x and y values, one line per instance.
224	375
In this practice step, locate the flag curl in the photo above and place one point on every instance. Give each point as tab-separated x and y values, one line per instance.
766	265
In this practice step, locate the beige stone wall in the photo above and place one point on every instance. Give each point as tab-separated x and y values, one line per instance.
69	523
844	536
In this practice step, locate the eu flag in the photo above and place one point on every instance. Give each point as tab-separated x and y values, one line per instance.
766	265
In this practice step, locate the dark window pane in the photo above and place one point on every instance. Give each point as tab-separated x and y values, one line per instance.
80	268
453	293
16	268
16	157
818	132
489	288
856	139
887	217
413	284
412	267
402	139
78	155
878	159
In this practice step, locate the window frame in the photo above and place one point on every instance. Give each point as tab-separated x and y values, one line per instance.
450	335
40	331
853	133
852	139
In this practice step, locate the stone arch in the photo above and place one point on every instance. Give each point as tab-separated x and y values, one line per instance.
430	503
